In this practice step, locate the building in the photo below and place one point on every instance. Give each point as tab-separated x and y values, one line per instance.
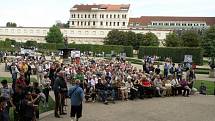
90	24
99	16
171	22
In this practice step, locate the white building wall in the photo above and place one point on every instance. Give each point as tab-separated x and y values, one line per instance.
77	35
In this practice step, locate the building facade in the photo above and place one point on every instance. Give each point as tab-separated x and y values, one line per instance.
171	22
99	16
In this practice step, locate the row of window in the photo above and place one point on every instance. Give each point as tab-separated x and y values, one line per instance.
101	16
64	31
178	24
24	31
85	23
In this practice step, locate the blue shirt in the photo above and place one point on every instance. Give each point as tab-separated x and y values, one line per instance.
76	95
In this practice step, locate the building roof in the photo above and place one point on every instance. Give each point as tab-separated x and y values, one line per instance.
108	7
146	20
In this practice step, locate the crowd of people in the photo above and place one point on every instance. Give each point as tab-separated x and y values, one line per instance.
100	80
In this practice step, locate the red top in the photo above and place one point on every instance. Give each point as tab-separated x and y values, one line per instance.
146	83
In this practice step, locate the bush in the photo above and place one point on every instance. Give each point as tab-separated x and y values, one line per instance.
175	53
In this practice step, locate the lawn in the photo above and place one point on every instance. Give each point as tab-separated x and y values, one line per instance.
41	108
9	79
210	86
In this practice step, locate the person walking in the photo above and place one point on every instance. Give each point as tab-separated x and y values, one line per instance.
76	95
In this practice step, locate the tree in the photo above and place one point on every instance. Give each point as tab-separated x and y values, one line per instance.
11	41
190	38
10	24
115	37
150	39
31	43
172	40
208	44
54	35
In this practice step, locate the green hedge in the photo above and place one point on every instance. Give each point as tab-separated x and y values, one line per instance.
48	47
88	47
176	53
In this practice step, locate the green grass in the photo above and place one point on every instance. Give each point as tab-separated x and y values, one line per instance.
9	79
42	109
210	86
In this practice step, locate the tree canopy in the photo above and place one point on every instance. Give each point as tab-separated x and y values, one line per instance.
129	38
10	24
185	38
208	42
190	38
54	35
172	40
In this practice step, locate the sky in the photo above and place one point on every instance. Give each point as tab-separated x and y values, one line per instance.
45	13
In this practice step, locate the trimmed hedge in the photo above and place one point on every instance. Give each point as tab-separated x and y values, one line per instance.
48	47
176	53
88	47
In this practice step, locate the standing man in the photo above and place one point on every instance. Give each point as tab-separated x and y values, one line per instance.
76	95
56	88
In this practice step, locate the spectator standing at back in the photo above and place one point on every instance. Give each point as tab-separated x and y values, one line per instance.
76	95
14	71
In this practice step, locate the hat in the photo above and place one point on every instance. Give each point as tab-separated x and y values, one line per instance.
4	81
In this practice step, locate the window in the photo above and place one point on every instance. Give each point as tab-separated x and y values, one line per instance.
89	16
74	15
154	24
118	16
184	24
160	24
78	23
44	31
101	23
166	24
114	23
95	16
86	32
94	23
110	23
190	24
81	16
202	24
125	16
178	24
72	32
81	23
73	23
110	16
123	23
85	23
196	24
117	23
85	16
78	15
107	16
106	23
122	16
101	33
172	24
114	15
94	32
88	23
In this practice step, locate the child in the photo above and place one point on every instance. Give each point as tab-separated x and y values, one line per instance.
202	89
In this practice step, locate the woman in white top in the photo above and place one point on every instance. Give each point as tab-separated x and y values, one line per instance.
175	86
